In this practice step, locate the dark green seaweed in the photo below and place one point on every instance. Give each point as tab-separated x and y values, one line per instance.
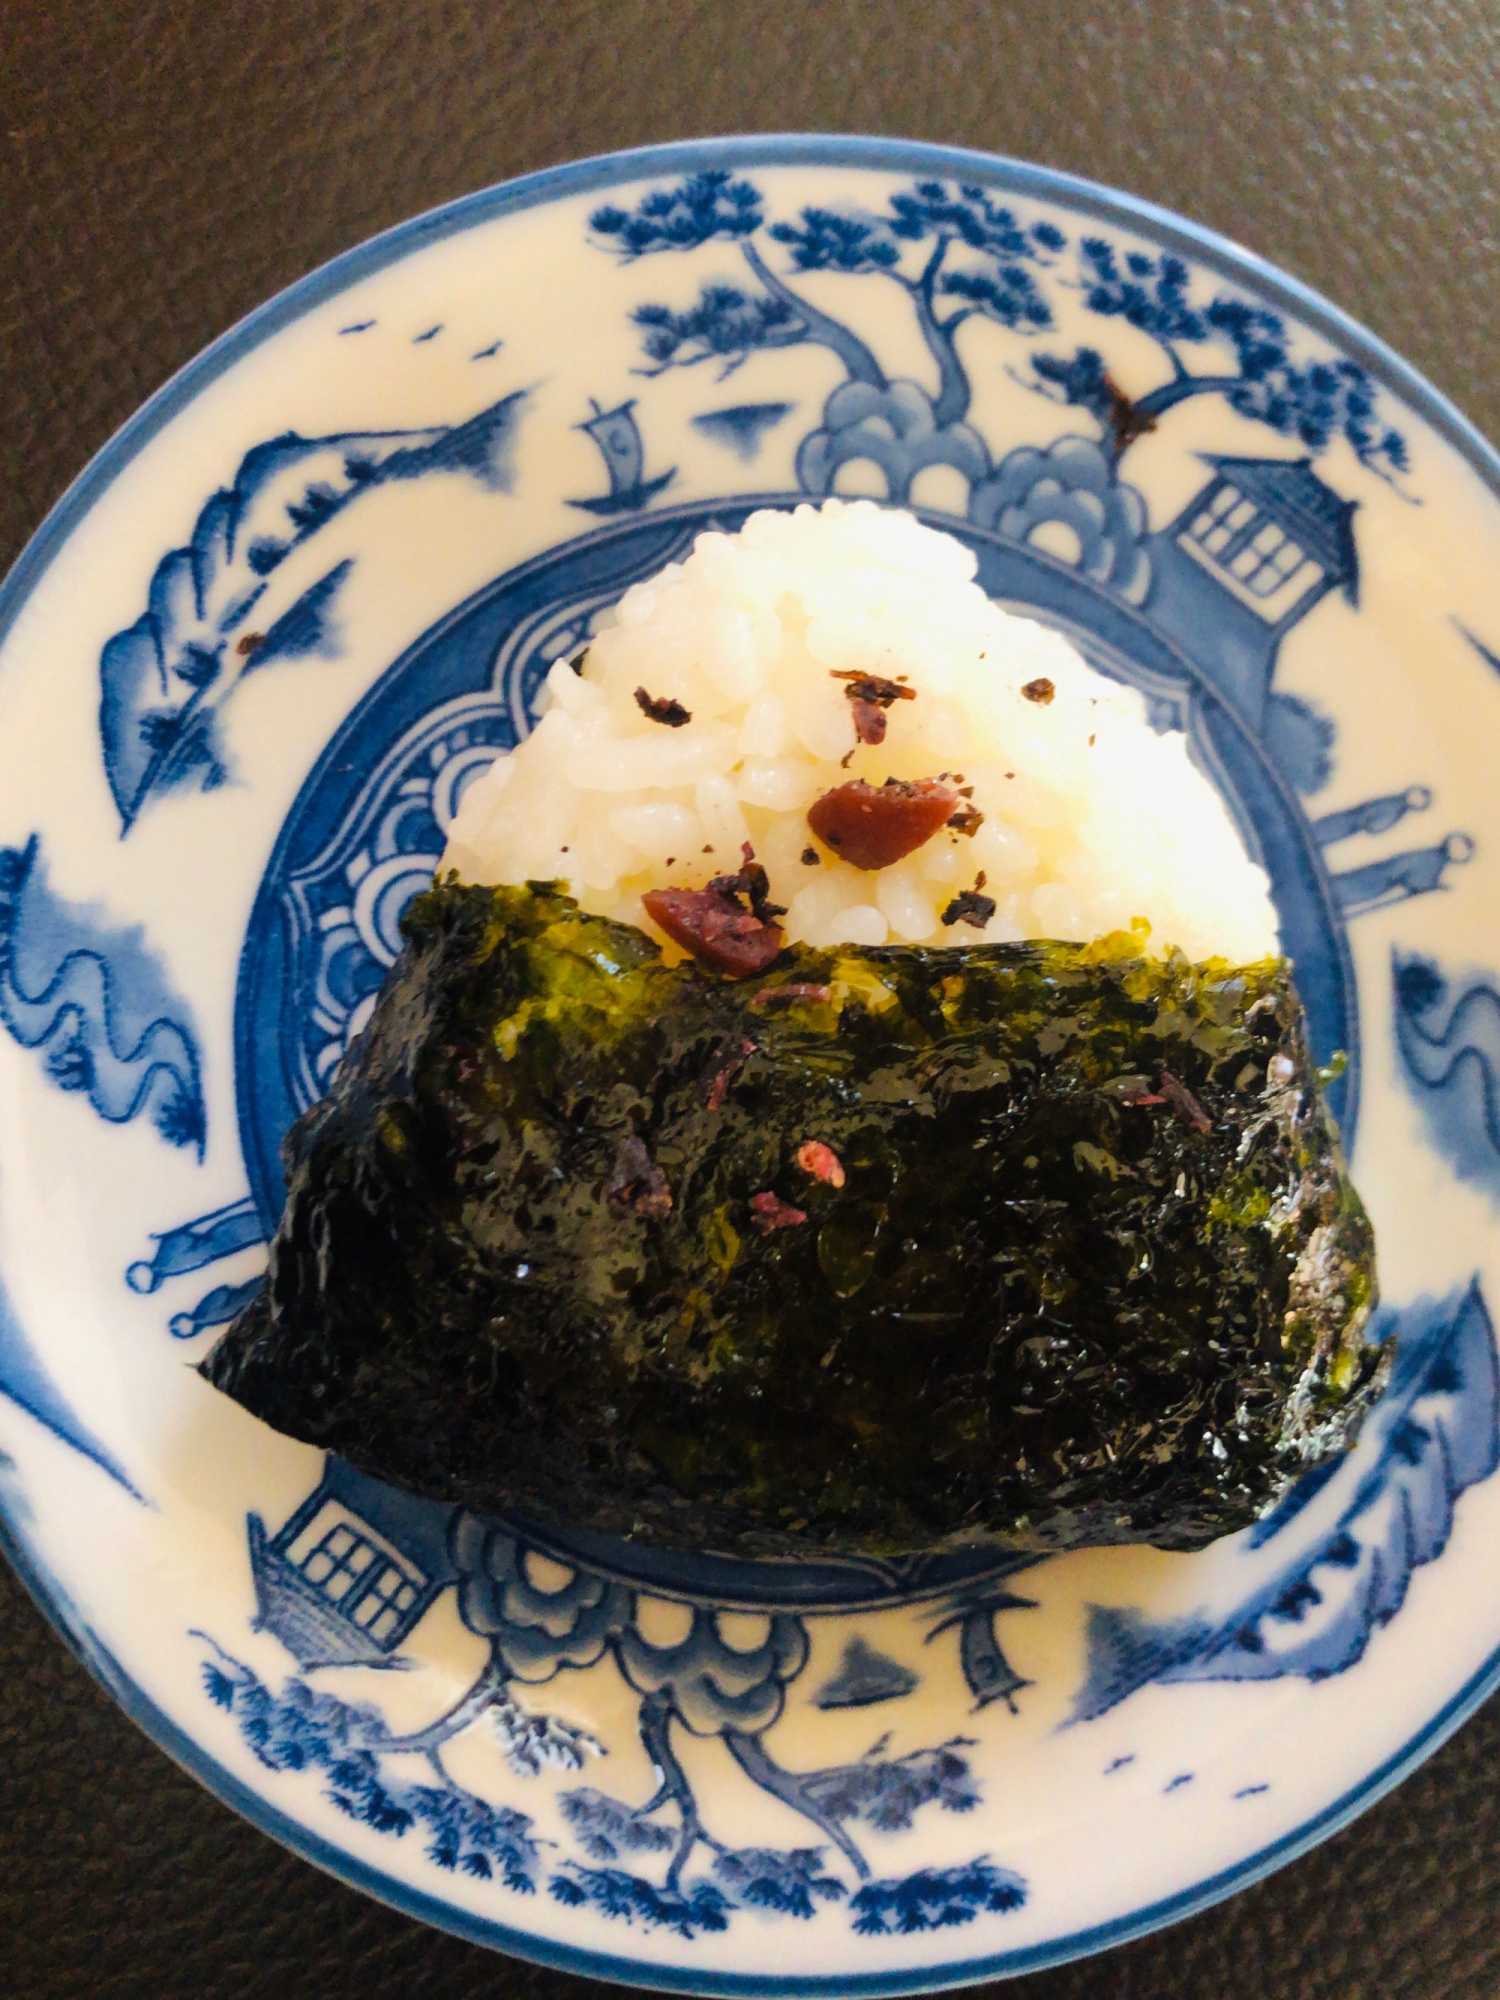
1096	1272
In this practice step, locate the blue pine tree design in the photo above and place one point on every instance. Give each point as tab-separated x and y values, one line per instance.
302	1729
727	324
980	260
632	1899
888	1796
882	1794
656	1865
1313	402
936	1898
790	1882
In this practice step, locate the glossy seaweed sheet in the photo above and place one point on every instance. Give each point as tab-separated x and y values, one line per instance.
557	1245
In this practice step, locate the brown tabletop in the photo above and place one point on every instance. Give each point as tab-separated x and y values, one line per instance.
165	168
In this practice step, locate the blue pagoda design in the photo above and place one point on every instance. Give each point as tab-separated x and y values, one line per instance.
1248	557
351	1572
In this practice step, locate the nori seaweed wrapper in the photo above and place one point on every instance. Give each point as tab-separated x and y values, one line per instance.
1095	1272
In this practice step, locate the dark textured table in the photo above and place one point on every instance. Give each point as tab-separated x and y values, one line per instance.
167	166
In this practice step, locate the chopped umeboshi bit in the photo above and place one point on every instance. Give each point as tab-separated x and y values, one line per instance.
715	925
821	1161
716	929
871	826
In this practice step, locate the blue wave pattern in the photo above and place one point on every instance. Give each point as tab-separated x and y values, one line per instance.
165	679
1332	1564
1450	1052
94	1002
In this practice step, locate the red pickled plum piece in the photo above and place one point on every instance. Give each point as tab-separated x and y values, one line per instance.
821	1161
768	1211
716	929
871	826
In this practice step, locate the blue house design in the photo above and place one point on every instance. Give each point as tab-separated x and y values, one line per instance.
351	1572
1248	557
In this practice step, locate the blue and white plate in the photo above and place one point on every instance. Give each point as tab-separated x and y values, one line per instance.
249	665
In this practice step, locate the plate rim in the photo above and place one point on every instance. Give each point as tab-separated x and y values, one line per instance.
325	281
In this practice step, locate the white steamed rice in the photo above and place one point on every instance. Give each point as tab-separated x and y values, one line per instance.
1091	819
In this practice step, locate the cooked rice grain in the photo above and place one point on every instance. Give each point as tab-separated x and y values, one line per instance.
1090	818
